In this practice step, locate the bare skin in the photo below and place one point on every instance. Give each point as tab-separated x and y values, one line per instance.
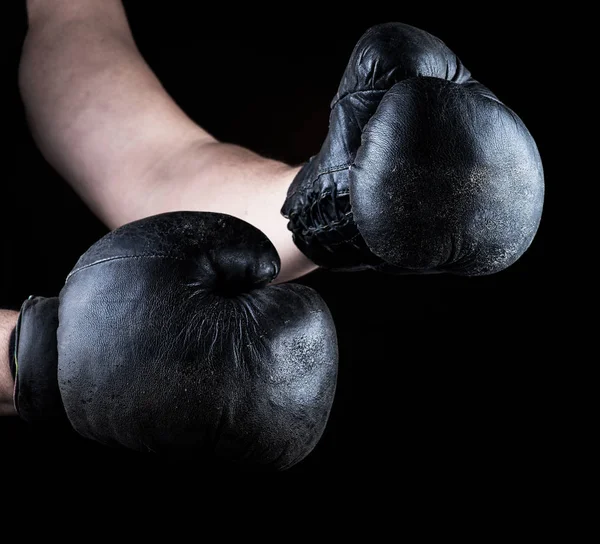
8	321
105	123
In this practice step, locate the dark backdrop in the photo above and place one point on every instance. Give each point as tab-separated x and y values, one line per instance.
441	378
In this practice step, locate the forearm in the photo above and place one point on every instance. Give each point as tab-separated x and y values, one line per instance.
92	102
8	321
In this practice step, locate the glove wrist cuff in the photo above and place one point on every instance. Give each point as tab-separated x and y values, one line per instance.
35	361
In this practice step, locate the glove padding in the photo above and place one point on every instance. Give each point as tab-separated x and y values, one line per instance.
423	169
171	340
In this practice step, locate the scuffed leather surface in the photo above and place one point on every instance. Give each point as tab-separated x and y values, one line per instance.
171	341
467	204
386	156
36	395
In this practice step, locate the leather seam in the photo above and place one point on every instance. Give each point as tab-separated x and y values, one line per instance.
122	257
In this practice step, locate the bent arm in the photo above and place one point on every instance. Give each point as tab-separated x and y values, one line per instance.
8	322
103	120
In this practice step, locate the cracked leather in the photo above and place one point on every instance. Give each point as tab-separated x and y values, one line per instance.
170	339
423	169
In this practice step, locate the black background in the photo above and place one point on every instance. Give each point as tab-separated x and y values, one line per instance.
443	380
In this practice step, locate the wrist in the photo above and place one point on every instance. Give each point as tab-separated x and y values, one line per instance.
8	320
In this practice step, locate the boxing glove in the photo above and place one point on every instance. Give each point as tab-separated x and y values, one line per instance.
168	337
423	169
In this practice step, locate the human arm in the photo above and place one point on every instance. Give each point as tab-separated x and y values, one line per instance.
102	119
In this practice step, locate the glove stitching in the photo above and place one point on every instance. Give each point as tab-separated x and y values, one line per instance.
119	257
331	170
331	226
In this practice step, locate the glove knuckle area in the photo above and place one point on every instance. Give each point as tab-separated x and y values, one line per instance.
447	178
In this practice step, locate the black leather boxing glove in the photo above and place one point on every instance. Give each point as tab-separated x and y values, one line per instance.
423	169
167	337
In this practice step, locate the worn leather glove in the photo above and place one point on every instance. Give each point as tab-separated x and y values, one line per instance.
167	337
423	170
